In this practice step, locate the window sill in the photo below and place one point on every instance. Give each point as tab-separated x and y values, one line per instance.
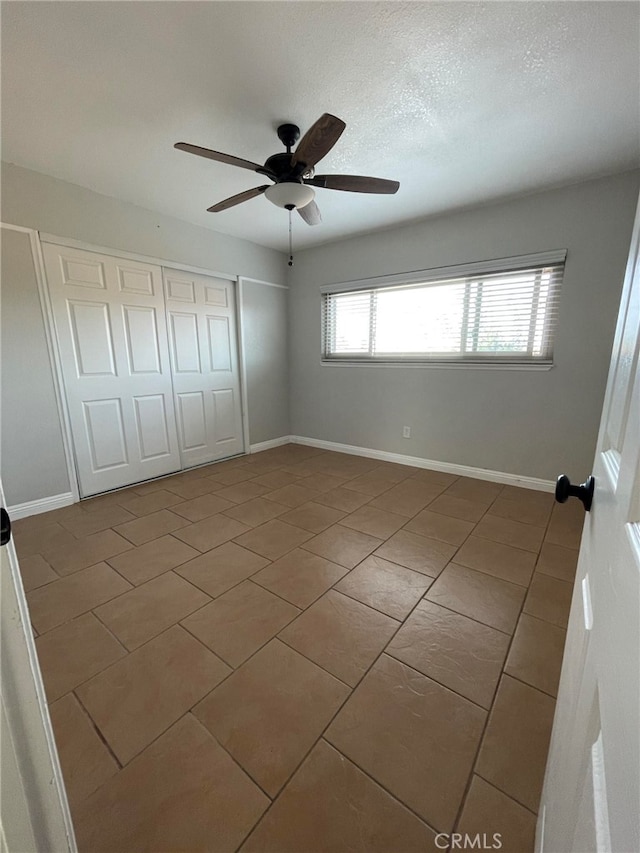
441	365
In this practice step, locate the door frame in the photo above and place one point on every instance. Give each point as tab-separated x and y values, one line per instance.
36	239
37	805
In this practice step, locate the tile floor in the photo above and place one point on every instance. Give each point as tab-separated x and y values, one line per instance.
302	651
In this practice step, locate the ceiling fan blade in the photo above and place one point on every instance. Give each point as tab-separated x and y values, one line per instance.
354	184
310	213
318	140
237	199
217	155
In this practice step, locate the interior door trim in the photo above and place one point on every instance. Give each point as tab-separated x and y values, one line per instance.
70	243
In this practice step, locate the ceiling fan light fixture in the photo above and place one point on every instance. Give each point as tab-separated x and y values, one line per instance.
290	194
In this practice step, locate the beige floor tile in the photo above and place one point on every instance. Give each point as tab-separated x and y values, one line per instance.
428	556
276	479
372	483
293	495
273	539
342	545
152	559
528	496
408	497
508	532
490	812
200	800
100	502
58	602
565	527
514	749
242	620
340	634
255	512
31	539
434	525
374	522
385	586
313	517
211	532
137	698
536	654
452	649
191	488
472	489
415	737
242	492
74	652
322	482
85	760
300	577
231	476
426	475
524	511
202	507
72	557
151	526
494	558
85	523
222	568
460	508
549	599
150	609
269	713
342	499
142	490
153	502
36	572
332	805
487	599
44	519
558	561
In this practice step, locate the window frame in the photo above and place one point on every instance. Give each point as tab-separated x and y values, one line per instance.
491	360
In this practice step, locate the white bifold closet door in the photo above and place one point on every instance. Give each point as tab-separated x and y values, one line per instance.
201	318
111	323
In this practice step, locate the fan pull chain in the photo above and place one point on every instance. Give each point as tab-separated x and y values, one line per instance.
290	243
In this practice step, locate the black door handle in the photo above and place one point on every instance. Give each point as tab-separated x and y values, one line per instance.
5	526
584	492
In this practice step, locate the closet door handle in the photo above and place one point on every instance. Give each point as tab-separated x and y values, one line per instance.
5	526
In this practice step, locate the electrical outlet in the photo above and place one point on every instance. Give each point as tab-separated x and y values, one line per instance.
406	432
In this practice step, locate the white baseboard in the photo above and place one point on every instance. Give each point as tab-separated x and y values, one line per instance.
41	505
273	442
417	462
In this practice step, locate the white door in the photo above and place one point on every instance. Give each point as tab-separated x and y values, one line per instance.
201	318
591	796
111	331
34	813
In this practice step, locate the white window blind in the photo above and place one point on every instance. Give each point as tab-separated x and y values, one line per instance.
503	316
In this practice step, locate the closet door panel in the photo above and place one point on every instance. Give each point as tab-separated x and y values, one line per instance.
109	315
204	352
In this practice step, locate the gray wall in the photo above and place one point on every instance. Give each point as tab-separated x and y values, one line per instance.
33	464
531	423
264	319
31	452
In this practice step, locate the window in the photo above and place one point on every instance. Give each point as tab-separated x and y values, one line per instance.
498	312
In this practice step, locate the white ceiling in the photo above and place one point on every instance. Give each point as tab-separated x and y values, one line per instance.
460	102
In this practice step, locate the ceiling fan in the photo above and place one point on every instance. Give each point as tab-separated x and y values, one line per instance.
293	173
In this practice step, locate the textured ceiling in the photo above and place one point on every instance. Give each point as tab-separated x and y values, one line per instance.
460	102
